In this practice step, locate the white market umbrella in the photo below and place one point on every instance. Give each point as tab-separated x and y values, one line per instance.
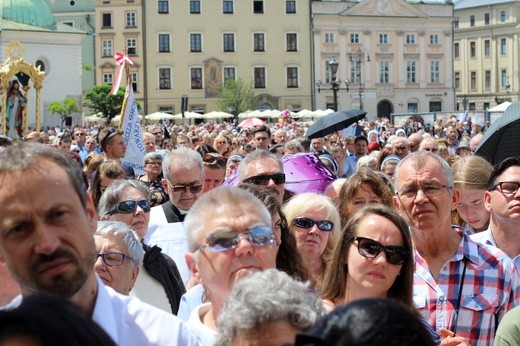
160	116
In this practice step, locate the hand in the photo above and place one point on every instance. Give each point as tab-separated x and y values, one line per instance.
449	340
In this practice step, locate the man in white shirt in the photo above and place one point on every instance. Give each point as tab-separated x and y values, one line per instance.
502	200
183	171
235	239
47	222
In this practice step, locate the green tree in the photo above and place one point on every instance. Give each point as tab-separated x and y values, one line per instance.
236	97
100	100
64	108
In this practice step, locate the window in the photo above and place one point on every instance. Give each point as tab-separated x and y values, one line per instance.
435	71
107	20
503	46
164	43
291	41
292	77
165	81
131	19
108	78
354	37
383	38
355	71
456	51
487	48
413	107
434	39
486	18
329	37
194	7
227	7
259	42
473	80
229	73
504	82
196	78
410	38
487	80
195	42
472	20
502	16
472	50
229	42
131	46
486	105
107	48
133	80
259	77
290	6
163	6
384	71
166	109
456	24
258	7
457	81
435	106
328	73
411	72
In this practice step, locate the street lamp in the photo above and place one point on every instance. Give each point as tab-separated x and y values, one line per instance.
335	83
358	57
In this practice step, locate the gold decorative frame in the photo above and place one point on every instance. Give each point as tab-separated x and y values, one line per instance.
10	67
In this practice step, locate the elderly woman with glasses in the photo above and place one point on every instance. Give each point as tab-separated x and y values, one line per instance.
160	283
119	255
153	178
315	223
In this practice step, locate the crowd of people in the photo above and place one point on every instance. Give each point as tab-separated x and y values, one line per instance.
415	242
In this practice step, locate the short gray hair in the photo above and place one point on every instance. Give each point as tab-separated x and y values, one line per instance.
255	156
266	297
115	230
219	201
152	156
113	193
182	157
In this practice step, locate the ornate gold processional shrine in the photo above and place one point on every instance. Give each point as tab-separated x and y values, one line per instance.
16	66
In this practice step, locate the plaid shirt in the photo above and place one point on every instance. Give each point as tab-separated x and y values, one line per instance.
490	289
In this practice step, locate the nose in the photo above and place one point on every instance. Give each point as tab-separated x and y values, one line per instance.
99	264
314	230
271	183
380	258
244	247
48	241
420	197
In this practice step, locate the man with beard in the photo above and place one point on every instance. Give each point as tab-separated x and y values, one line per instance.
47	223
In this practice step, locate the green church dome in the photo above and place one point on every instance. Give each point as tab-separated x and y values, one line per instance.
32	12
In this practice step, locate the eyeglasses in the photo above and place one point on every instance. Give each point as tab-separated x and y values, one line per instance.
114	259
215	159
433	150
305	222
430	190
369	248
193	187
226	240
508	187
128	207
264	179
154	163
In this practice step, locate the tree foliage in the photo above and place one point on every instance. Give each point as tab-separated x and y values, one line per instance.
64	108
100	100
236	97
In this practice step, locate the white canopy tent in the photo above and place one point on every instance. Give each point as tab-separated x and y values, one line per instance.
157	116
500	107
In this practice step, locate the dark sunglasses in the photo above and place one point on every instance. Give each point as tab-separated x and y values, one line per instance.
226	240
109	133
305	222
263	179
193	187
369	248
215	159
127	207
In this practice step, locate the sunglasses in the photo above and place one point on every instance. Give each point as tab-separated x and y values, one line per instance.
128	207
215	159
109	133
305	222
264	179
226	240
369	248
193	187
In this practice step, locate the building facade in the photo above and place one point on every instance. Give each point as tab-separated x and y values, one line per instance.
486	53
395	56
